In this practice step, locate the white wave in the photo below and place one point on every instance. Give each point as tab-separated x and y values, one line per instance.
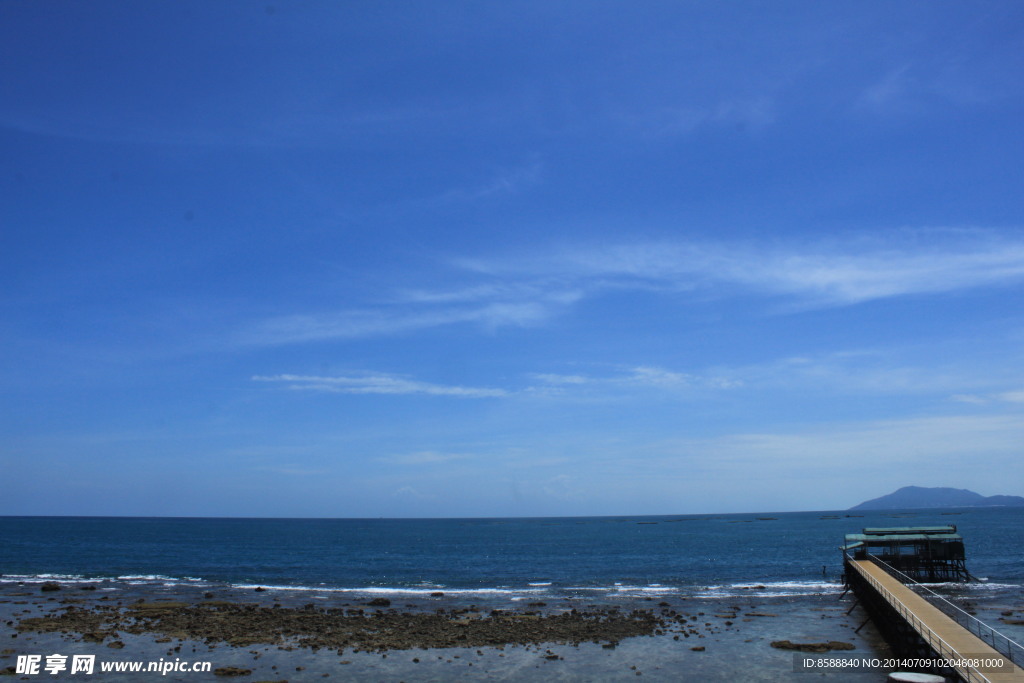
623	589
389	590
991	586
130	579
151	579
771	588
43	578
145	577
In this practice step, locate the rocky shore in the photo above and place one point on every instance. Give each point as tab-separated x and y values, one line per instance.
259	635
373	629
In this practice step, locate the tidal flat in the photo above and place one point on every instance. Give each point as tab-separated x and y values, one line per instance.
275	635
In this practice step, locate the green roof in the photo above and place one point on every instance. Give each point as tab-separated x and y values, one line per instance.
883	531
900	538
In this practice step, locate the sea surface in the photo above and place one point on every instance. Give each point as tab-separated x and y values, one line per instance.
746	579
601	558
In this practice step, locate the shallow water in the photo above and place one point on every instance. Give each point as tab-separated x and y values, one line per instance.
739	650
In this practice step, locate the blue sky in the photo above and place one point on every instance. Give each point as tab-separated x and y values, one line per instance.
526	258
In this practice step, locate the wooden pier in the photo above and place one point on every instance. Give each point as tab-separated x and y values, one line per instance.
916	628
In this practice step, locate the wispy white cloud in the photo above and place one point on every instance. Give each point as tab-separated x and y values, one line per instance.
557	380
424	458
640	378
920	88
531	289
414	494
749	113
900	446
418	313
864	371
891	371
839	464
997	397
651	376
839	272
377	384
293	471
888	91
503	182
624	382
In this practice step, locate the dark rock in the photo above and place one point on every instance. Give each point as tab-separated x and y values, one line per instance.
379	602
812	647
50	586
231	671
244	624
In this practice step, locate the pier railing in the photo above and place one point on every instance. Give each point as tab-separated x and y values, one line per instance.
943	649
999	642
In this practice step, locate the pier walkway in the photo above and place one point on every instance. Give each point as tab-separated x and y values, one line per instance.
948	638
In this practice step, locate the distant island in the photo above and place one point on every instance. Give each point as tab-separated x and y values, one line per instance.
921	497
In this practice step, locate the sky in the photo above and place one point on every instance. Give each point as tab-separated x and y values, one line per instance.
528	258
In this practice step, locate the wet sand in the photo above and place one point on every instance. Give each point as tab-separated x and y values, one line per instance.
276	635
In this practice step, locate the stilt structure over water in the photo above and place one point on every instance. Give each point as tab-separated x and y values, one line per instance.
883	567
924	553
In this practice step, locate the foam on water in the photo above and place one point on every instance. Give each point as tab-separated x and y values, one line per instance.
390	590
42	578
772	588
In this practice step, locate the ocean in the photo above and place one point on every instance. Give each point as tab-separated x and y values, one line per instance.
601	557
786	566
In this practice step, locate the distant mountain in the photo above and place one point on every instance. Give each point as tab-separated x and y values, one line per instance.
921	497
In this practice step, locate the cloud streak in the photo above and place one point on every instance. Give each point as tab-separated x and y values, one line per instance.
640	378
530	290
377	384
983	399
923	451
897	445
627	381
400	319
835	274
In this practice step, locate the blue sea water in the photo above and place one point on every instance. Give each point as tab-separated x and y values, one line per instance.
601	558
